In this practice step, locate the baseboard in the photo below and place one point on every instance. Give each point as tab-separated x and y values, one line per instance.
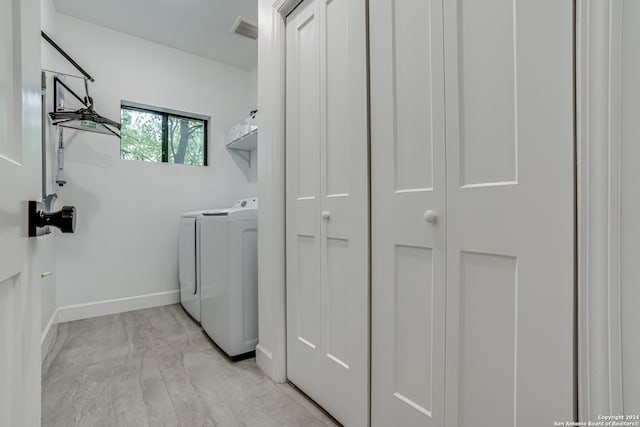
264	360
103	308
49	334
264	353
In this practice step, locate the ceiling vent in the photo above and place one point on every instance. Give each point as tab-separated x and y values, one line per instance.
245	28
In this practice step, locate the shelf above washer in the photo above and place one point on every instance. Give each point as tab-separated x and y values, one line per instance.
248	142
244	145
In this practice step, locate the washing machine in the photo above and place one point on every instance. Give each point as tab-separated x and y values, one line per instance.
229	277
189	261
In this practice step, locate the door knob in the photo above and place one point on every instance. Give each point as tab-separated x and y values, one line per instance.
430	216
326	215
64	219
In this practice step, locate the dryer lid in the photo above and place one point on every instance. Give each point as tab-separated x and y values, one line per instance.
192	214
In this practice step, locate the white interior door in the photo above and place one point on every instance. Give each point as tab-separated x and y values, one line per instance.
327	206
509	216
510	212
408	180
19	182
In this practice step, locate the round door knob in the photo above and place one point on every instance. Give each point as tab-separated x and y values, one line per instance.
430	216
64	219
326	215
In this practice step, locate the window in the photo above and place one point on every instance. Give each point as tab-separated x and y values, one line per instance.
160	135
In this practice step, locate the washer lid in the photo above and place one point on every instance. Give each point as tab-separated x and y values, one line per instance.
216	212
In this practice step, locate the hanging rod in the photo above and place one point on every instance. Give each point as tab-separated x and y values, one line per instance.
66	56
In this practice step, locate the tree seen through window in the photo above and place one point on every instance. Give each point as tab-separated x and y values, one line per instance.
156	136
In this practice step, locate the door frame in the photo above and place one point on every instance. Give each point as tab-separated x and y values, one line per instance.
598	30
271	351
598	118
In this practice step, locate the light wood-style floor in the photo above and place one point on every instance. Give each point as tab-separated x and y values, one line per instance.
156	367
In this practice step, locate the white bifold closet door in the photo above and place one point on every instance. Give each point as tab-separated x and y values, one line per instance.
472	212
407	189
327	206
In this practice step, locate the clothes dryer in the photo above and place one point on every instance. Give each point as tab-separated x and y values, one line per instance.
189	261
188	248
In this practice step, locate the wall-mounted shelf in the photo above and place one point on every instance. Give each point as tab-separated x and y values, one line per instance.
245	144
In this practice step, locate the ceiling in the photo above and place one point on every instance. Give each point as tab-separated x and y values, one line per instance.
201	27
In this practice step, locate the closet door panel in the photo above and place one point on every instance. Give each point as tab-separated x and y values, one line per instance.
510	204
488	324
304	328
344	216
337	135
488	106
408	179
412	87
344	198
334	370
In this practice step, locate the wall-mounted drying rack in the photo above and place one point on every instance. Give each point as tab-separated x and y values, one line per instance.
83	117
66	56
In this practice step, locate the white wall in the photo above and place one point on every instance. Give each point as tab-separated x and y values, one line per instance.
253	87
125	243
253	103
630	207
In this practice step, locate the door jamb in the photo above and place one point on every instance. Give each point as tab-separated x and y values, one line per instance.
271	351
598	114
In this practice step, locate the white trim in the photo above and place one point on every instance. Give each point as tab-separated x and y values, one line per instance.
124	103
598	59
102	308
272	347
263	355
49	334
615	145
285	7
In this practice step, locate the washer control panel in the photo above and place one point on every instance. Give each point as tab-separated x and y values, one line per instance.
251	203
